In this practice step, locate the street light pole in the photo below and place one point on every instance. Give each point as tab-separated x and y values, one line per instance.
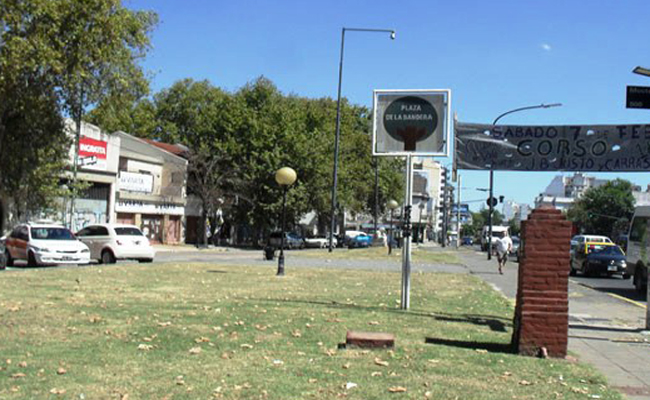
490	198
338	124
376	210
285	177
645	72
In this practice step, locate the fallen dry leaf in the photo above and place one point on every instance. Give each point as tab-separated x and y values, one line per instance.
195	350
164	324
61	371
397	389
376	373
18	375
57	391
525	383
346	366
373	323
381	362
22	364
145	347
296	333
202	339
246	346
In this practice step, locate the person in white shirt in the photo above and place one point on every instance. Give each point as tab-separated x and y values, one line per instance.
504	245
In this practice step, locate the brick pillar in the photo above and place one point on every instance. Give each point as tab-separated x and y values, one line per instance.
542	311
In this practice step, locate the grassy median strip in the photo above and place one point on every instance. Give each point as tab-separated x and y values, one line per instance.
381	253
197	331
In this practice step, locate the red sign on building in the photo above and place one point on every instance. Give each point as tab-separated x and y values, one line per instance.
89	147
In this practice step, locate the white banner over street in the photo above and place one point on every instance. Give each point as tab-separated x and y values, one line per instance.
595	148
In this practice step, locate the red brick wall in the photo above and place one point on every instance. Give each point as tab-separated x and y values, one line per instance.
542	311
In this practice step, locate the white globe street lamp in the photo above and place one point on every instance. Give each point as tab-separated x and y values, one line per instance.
285	177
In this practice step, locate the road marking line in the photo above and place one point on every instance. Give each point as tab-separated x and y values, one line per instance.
636	303
616	296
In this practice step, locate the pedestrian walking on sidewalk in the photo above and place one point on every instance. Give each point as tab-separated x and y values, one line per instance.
503	245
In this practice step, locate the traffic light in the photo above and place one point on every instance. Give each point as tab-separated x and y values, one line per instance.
501	199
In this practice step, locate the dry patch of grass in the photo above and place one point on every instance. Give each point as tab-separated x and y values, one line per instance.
188	331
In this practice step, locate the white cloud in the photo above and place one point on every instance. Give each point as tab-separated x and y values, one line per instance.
546	46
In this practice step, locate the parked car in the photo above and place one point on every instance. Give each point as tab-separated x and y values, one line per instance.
291	240
637	247
111	242
3	259
580	240
320	242
359	241
514	251
44	244
595	258
467	241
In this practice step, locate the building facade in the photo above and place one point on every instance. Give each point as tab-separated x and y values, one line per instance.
564	190
97	168
151	190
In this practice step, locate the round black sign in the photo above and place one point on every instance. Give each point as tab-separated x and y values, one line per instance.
410	120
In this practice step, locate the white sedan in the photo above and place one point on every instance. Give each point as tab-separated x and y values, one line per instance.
111	242
320	242
44	244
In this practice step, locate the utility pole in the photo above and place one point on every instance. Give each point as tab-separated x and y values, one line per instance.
444	211
376	210
458	225
75	163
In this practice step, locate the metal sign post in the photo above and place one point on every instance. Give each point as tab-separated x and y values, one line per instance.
408	123
406	252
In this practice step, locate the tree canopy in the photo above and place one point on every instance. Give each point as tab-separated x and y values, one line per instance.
604	210
250	133
56	59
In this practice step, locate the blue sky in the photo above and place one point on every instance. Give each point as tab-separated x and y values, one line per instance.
493	55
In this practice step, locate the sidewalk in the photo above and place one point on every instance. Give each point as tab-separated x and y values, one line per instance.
175	248
604	331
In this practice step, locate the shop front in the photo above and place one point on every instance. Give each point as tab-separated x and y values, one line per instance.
160	222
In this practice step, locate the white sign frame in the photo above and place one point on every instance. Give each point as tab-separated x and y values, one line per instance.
446	125
135	182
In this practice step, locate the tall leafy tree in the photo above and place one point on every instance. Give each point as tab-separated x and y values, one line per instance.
604	210
57	58
240	139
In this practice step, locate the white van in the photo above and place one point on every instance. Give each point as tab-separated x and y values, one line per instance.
497	233
638	252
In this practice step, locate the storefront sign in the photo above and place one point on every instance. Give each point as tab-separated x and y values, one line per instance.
92	150
141	207
134	182
411	122
596	148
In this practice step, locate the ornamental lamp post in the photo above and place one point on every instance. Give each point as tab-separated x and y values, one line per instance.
392	205
338	124
285	177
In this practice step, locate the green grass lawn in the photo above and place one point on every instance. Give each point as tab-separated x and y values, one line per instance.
381	253
196	331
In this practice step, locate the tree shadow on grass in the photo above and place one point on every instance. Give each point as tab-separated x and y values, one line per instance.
490	347
496	324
